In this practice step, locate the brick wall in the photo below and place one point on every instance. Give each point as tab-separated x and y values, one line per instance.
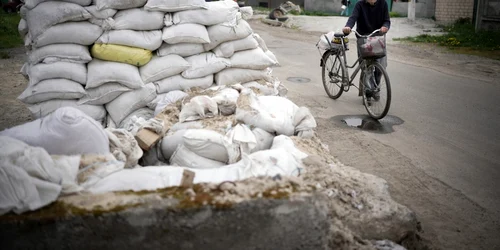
447	11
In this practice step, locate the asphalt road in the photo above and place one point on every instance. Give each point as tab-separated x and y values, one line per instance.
442	158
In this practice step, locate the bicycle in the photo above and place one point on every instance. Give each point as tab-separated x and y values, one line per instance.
376	92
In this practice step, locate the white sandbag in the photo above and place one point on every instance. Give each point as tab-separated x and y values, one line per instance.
83	33
285	142
226	100
67	131
101	72
119	4
28	179
199	107
183	157
138	19
215	13
211	145
129	102
181	49
124	147
262	87
97	112
243	138
150	40
170	143
274	162
22	27
204	64
139	179
263	163
68	166
103	94
234	75
71	71
225	32
304	122
262	43
246	12
48	14
23	12
174	5
169	98
130	121
251	59
100	14
186	33
30	4
263	138
227	49
22	193
178	82
185	125
162	67
60	52
52	89
270	113
273	57
102	18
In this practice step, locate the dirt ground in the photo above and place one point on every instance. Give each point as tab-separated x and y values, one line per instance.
448	219
12	111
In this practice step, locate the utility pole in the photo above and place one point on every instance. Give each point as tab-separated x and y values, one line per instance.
411	10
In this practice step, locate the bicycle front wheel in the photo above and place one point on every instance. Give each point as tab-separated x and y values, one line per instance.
377	91
333	71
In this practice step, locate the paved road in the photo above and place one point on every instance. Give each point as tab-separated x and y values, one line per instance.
443	161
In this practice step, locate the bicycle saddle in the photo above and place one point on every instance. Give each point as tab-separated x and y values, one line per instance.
339	34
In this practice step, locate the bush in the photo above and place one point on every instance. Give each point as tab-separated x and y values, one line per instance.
9	35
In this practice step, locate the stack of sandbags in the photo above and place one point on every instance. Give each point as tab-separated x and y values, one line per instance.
115	56
57	35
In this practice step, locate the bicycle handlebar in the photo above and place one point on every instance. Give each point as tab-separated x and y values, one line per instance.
375	31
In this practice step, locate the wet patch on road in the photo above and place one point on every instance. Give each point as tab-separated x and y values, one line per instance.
298	79
366	123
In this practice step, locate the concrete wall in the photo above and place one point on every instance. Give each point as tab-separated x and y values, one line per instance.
326	6
424	8
448	11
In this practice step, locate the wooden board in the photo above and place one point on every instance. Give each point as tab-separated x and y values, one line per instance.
187	178
147	138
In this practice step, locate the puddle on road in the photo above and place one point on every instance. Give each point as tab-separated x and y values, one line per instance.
366	123
298	79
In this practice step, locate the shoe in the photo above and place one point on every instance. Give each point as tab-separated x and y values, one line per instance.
368	93
376	96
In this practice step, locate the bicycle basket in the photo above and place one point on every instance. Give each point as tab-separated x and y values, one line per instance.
372	47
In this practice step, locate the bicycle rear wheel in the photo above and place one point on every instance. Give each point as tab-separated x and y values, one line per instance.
333	72
377	99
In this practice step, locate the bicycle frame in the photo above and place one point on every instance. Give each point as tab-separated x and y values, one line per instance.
362	62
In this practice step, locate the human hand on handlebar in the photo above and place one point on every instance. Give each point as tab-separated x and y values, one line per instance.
384	30
346	30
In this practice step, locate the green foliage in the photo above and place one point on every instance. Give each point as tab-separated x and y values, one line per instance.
395	14
461	35
9	35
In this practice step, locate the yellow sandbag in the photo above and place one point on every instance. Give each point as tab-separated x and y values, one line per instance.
120	53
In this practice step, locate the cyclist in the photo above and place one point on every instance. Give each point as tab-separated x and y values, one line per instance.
370	15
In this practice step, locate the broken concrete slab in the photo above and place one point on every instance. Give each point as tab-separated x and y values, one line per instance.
176	218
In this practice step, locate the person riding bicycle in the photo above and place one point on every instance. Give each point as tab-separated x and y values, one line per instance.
370	15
